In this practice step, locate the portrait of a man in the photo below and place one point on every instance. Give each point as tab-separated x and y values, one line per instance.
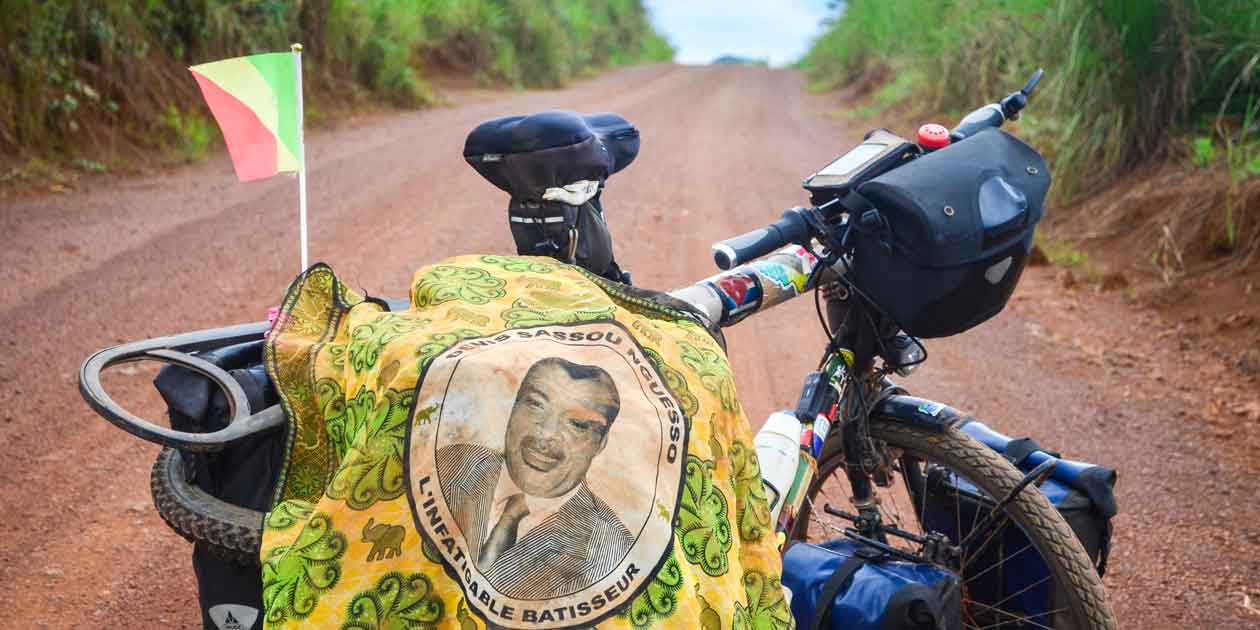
532	525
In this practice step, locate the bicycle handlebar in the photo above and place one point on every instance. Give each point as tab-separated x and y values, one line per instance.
791	228
994	114
989	116
794	228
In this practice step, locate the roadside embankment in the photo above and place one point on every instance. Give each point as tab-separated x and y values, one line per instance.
88	86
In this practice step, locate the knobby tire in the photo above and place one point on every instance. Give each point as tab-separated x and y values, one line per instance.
230	532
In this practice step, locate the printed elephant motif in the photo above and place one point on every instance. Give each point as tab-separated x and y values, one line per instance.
386	540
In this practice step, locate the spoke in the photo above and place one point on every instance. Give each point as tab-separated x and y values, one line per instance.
1018	619
892	515
975	518
1006	520
813	513
896	505
923	492
1008	598
889	517
998	564
958	516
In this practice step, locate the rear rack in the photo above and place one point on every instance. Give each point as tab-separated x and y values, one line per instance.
181	350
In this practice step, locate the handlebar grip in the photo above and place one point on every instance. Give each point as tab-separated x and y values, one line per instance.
790	228
987	117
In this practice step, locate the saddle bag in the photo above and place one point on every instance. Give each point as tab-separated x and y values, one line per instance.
1083	493
846	585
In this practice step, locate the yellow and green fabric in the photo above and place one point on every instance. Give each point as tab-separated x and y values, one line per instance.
342	547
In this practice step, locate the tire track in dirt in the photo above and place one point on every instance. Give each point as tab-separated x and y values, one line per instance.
724	150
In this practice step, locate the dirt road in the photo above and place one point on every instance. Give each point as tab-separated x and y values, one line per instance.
724	149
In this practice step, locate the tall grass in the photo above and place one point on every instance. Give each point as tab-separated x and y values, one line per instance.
1125	78
79	75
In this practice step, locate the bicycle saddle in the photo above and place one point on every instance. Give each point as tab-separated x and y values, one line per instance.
527	155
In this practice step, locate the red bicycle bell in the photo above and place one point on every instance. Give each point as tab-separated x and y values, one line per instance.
933	136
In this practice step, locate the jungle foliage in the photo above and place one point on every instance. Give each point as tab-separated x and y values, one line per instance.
1169	85
1123	77
81	78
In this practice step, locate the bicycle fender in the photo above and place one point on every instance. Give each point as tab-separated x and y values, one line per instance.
919	412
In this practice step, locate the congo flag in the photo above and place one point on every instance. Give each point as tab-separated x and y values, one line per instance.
257	103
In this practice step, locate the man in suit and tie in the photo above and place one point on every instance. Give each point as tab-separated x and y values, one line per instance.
533	527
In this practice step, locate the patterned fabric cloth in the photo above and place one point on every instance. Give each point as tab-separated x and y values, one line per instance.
528	445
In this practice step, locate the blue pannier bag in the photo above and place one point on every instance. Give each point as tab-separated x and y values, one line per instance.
846	585
1082	493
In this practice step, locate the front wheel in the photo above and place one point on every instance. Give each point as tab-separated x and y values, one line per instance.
946	482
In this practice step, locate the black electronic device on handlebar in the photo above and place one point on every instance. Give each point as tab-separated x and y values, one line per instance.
881	151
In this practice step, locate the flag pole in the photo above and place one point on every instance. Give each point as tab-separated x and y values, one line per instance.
297	58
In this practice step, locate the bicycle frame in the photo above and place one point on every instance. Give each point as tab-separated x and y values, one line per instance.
857	340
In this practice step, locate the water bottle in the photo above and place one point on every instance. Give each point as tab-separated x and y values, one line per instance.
778	445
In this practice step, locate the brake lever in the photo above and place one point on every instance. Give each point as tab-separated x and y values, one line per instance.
1013	104
1033	81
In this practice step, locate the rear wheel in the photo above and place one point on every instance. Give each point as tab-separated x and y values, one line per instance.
947	483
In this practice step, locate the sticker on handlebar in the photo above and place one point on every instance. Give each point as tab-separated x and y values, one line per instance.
804	254
787	269
785	278
740	294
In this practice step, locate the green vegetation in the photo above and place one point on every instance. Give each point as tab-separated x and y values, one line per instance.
895	90
86	79
189	133
1125	78
1063	253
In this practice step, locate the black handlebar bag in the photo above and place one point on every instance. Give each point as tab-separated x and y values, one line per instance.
943	240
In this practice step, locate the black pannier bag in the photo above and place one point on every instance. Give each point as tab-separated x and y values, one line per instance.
947	235
1008	572
554	165
243	473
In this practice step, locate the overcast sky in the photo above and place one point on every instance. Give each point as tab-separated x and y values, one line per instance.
702	30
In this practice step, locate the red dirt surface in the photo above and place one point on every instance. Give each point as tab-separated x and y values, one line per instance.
724	149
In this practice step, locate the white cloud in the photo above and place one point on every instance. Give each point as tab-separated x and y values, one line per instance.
702	30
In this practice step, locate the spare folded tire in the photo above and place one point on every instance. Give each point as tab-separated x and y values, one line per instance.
228	531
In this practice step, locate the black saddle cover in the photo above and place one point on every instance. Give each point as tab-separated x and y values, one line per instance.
526	155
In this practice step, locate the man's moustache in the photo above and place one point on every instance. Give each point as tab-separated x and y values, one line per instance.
547	449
